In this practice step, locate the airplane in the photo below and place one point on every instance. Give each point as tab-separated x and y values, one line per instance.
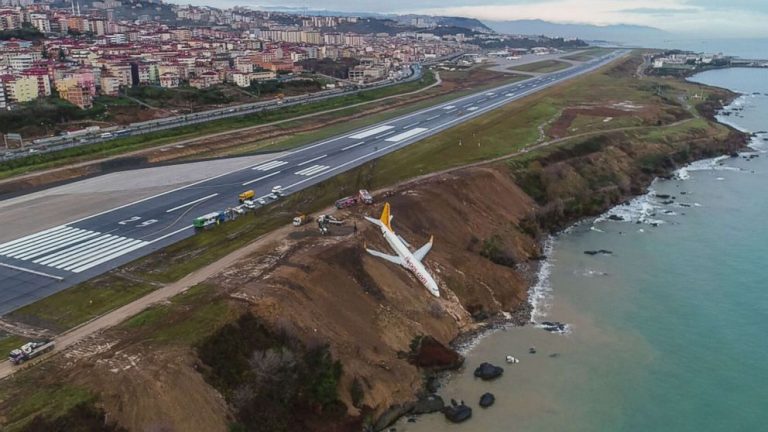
406	258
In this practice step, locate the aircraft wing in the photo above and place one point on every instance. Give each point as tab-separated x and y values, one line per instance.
391	258
422	252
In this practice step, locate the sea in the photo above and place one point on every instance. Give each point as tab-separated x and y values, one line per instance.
668	331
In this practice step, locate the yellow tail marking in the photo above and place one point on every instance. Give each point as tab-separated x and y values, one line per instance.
385	216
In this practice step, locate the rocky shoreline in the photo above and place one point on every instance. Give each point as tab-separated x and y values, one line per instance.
521	316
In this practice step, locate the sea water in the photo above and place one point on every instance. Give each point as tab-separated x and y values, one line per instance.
669	332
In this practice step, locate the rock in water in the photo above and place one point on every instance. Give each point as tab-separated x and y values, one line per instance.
428	404
487	400
487	371
457	414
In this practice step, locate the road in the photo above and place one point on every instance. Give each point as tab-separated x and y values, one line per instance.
46	145
40	264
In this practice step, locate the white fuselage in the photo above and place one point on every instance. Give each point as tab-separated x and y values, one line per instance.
409	262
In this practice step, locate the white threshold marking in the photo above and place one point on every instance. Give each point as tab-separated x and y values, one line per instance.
371	132
269	165
56	245
191	203
353	145
311	160
34	272
408	134
109	257
34	239
261	178
78	248
385	134
449	107
42	242
314	169
7	246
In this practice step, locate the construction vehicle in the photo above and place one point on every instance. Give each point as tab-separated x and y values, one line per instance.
324	221
365	196
300	220
30	350
247	195
346	202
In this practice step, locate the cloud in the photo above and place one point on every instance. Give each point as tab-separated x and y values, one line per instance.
659	11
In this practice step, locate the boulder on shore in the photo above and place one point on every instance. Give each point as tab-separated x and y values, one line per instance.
487	399
427	352
487	371
428	404
457	413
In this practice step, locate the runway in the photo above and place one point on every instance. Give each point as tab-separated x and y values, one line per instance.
42	263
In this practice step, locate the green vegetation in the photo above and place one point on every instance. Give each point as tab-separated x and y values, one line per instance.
50	401
186	319
122	145
83	417
544	66
26	32
46	113
268	376
87	300
9	342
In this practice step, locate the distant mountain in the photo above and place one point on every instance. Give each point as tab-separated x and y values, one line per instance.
619	33
444	21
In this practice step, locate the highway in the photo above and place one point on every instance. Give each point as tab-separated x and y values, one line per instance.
40	264
84	137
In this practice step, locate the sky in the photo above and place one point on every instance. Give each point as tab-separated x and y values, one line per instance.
722	18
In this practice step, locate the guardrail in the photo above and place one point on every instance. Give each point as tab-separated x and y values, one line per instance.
56	143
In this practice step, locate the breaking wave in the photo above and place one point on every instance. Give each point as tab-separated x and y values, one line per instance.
540	293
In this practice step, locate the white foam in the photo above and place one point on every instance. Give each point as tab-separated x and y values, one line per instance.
713	164
540	293
640	209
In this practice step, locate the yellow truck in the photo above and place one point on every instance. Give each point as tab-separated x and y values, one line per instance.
247	195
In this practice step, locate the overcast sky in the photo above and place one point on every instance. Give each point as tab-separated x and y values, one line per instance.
722	18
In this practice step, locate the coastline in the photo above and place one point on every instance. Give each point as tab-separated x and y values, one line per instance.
540	291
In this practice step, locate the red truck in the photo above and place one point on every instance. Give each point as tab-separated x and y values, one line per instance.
346	202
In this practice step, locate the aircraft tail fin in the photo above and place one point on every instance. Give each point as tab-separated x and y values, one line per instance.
386	217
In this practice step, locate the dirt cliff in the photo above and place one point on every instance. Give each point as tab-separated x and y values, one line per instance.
487	221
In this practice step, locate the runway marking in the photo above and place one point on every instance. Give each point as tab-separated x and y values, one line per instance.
407	134
472	108
353	145
449	107
411	125
191	203
490	94
371	132
384	134
432	118
41	241
269	165
34	272
108	258
261	178
311	160
67	248
314	169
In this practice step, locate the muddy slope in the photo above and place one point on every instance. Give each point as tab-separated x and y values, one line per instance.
487	223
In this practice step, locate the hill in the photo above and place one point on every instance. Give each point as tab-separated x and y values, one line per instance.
621	33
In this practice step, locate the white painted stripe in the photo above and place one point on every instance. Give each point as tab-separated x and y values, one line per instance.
64	236
58	245
191	203
407	134
384	134
7	245
111	247
411	125
35	272
432	118
311	170
453	110
34	239
353	145
311	160
270	165
472	108
482	100
371	132
60	255
108	258
171	234
490	94
108	239
261	178
449	107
